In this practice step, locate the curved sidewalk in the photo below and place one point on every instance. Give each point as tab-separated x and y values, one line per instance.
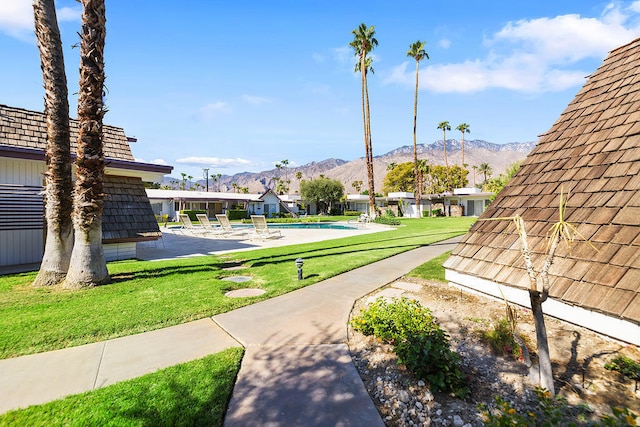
296	370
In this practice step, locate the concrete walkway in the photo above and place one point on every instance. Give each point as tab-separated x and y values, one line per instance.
297	369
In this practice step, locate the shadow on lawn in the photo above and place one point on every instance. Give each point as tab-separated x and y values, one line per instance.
321	252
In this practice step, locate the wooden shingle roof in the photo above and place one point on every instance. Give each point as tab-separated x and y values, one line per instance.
27	129
593	152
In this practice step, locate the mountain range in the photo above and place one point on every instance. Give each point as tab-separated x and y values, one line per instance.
476	152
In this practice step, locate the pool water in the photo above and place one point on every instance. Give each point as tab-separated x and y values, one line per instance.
303	225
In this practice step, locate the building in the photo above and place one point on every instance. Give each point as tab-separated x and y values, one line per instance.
462	202
171	202
592	152
128	217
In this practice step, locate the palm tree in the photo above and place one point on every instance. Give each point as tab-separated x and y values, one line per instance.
445	127
475	168
485	169
88	266
463	127
363	43
417	52
58	182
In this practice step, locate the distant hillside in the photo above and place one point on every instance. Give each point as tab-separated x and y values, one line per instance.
476	152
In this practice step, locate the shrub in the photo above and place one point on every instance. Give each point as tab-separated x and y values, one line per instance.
500	338
551	412
237	213
386	220
436	212
192	213
419	342
353	213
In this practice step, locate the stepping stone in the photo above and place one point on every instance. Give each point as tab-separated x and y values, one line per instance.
243	293
407	286
238	279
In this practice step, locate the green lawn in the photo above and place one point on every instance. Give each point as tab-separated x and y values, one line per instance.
432	269
190	394
147	295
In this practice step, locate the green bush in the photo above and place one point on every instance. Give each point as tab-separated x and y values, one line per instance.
192	213
386	220
237	213
389	213
436	212
551	411
419	342
353	213
626	366
500	338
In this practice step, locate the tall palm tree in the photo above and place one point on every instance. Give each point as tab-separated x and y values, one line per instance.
445	127
485	169
363	43
88	266
58	182
417	52
463	127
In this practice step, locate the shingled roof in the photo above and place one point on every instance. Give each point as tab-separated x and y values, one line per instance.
127	212
28	129
593	152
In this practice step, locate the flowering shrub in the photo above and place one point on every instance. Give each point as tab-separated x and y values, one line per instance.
421	345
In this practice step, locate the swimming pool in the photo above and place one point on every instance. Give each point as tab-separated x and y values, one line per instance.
312	225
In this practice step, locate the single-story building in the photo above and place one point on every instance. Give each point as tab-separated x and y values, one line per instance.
462	202
171	202
128	217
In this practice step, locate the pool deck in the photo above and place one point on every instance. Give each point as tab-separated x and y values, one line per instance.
179	244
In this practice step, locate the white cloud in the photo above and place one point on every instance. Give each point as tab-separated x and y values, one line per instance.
153	162
256	100
444	43
533	56
214	162
16	17
212	110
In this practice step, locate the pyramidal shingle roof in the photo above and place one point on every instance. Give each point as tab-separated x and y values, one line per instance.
28	129
593	152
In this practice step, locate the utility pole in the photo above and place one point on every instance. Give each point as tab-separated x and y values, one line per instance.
205	171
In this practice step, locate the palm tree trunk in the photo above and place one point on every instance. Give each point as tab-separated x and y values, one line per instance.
58	182
462	149
372	193
367	135
88	266
418	184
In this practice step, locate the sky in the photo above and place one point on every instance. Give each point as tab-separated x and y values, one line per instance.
238	86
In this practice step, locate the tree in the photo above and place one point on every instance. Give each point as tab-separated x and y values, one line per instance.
357	185
391	166
400	178
322	191
299	175
445	127
495	185
417	52
463	127
424	168
58	182
363	43
485	169
88	266
442	179
561	231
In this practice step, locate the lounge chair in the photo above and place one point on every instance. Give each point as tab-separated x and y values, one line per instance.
260	228
189	227
225	226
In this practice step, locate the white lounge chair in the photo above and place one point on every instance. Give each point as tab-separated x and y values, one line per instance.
261	229
190	227
226	229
